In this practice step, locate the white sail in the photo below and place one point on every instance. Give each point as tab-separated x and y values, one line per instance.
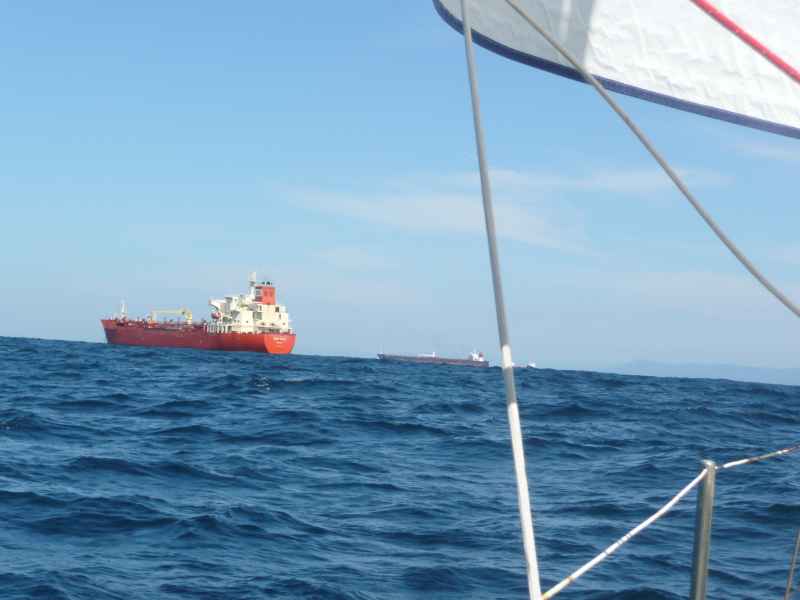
672	52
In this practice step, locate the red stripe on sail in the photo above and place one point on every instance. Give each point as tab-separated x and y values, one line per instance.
748	39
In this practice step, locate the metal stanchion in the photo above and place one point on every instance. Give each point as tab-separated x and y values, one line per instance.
702	532
792	565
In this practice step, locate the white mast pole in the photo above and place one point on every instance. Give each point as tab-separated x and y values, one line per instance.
526	518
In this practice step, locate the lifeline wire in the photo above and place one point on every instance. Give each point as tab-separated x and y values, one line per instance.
657	515
660	160
625	538
512	407
752	459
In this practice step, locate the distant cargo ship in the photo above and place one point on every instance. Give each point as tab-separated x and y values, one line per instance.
251	322
475	359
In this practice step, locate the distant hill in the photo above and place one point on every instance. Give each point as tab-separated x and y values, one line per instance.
709	371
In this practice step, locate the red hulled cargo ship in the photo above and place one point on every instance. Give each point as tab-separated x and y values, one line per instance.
251	322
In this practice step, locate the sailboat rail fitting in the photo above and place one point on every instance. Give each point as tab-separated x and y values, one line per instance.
661	512
570	579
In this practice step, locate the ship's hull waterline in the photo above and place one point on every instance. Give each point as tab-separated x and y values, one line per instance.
132	333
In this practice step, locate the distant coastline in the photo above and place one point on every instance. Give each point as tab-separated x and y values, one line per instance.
709	371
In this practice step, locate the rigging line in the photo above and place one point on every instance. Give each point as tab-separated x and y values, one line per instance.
512	407
754	271
732	26
625	538
747	461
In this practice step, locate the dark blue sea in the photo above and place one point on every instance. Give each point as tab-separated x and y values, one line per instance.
148	473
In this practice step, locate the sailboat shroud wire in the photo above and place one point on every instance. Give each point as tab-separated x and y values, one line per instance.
512	406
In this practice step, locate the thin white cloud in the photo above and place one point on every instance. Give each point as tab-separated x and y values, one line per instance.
651	180
453	213
620	181
527	208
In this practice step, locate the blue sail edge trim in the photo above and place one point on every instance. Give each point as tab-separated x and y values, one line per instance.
616	86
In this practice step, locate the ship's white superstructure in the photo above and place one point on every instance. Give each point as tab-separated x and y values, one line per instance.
254	312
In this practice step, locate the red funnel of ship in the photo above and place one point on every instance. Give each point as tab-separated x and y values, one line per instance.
267	294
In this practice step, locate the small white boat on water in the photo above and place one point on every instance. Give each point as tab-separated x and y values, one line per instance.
530	365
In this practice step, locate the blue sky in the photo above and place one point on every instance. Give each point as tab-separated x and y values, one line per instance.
161	153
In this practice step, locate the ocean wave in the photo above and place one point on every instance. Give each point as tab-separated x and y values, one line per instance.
157	473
